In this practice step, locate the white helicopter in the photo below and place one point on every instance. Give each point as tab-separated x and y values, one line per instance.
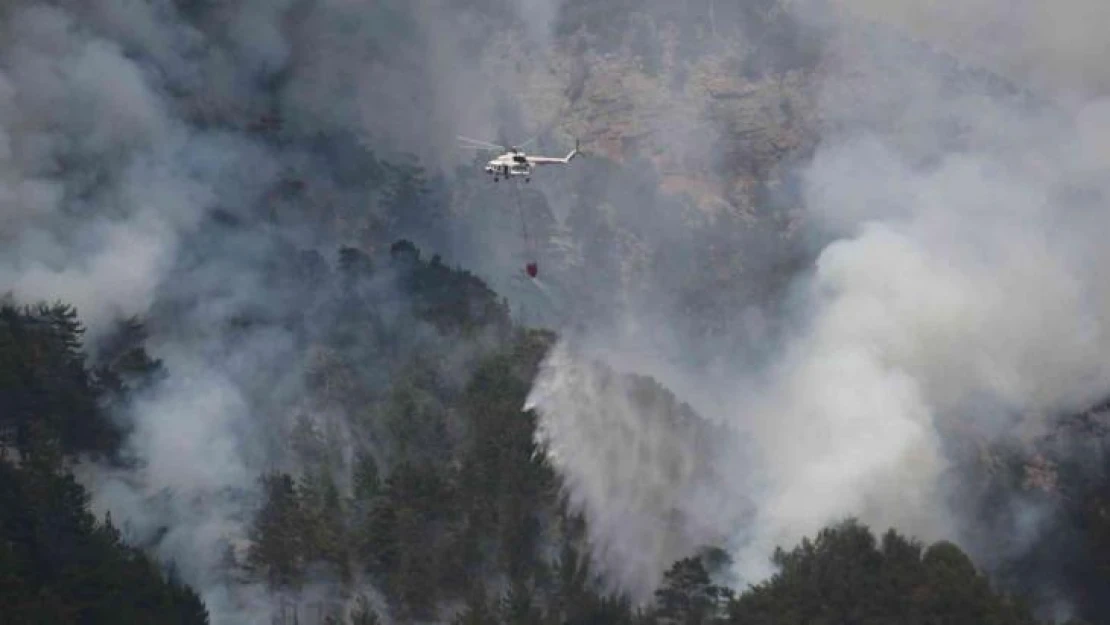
513	161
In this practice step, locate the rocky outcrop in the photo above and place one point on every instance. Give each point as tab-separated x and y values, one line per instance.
693	101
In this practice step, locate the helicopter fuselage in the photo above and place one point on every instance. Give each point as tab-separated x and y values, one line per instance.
511	164
515	163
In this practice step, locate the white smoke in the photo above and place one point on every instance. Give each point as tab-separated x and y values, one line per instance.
960	293
964	281
641	465
121	129
190	481
66	99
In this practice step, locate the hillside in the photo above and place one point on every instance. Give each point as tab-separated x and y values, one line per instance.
809	280
441	501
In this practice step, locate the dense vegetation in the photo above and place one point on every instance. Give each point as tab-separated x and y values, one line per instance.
58	563
465	512
453	513
411	484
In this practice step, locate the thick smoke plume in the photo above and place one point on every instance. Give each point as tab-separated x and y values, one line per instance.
644	467
957	289
957	292
126	127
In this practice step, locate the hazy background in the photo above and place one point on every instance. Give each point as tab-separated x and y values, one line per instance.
881	250
956	295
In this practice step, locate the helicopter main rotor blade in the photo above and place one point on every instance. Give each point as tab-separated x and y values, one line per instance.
521	146
477	142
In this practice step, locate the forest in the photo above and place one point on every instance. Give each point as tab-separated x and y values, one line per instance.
265	352
462	521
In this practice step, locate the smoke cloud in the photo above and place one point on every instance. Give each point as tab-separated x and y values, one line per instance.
135	181
956	289
957	293
647	471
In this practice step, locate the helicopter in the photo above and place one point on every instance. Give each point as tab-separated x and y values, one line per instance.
513	161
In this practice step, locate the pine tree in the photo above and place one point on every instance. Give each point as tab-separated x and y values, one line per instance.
366	479
364	613
688	596
277	539
518	606
477	610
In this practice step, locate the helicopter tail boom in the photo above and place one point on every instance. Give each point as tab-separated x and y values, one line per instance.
549	160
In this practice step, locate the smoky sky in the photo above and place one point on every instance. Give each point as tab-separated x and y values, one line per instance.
878	247
190	163
952	202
